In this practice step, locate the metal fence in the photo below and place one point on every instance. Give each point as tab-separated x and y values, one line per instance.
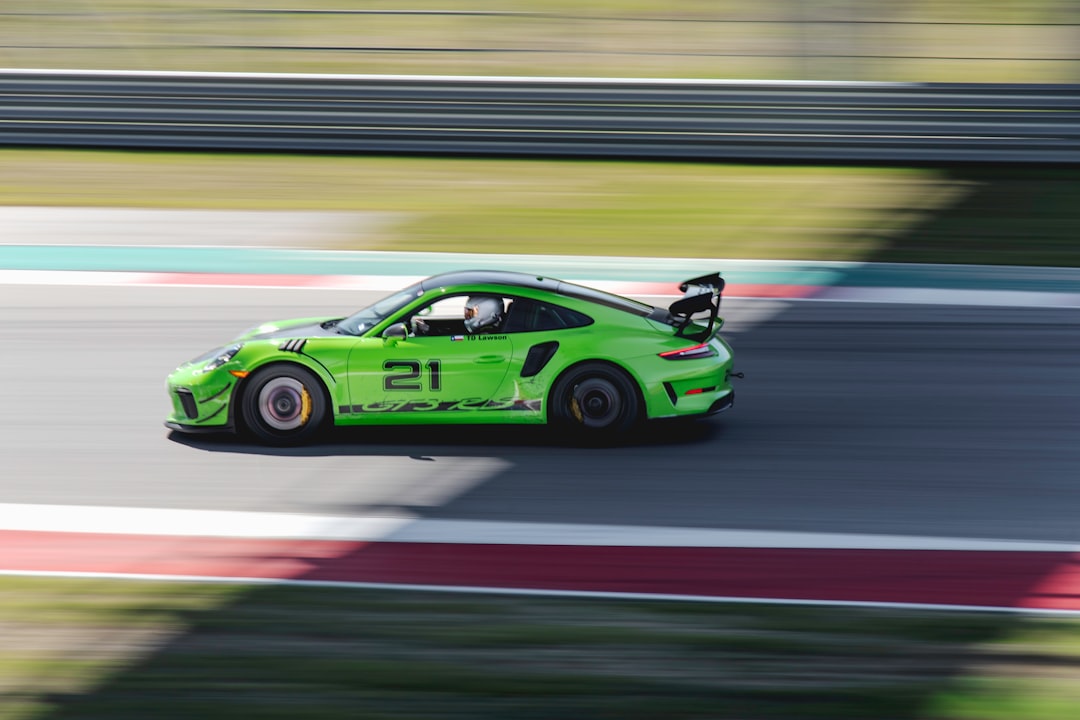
700	120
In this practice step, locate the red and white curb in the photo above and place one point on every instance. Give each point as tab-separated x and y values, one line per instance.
535	558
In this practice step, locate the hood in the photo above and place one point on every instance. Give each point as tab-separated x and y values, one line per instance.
303	327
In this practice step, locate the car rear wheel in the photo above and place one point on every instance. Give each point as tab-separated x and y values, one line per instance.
594	401
284	405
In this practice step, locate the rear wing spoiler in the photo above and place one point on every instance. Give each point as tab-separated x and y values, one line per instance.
701	294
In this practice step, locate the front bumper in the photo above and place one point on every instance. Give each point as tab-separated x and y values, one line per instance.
200	402
197	429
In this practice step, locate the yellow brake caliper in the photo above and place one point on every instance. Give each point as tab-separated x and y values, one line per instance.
575	408
305	406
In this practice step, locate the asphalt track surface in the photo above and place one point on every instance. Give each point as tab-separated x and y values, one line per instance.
910	420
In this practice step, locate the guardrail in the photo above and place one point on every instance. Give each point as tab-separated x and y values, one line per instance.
572	117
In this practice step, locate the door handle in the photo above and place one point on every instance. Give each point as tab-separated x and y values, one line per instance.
490	359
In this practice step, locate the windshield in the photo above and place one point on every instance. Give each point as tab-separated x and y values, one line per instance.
360	322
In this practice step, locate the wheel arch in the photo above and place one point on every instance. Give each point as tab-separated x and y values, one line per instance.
236	416
618	367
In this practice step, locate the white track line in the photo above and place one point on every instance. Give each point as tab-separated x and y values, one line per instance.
461	589
259	525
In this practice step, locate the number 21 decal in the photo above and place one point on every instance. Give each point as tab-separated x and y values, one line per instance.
412	377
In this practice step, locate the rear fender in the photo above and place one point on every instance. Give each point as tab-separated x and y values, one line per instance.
634	380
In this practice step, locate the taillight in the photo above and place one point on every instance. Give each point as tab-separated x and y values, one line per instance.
694	352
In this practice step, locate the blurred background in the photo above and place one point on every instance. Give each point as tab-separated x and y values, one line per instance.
974	213
1035	41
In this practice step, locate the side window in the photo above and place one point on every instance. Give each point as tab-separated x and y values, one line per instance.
442	317
527	315
568	318
460	315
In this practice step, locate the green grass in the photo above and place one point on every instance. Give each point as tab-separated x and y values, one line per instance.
121	649
1024	216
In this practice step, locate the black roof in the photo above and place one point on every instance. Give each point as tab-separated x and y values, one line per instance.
536	282
491	277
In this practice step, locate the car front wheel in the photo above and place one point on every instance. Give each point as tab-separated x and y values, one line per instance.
284	405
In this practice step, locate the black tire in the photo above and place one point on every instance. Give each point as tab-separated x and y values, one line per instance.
594	402
284	405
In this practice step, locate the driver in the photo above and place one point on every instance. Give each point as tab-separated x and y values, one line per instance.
483	313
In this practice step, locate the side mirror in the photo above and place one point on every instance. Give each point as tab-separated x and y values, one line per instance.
397	331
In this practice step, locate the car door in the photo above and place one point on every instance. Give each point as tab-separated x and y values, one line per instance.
428	374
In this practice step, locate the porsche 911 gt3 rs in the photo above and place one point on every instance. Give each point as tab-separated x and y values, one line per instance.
477	346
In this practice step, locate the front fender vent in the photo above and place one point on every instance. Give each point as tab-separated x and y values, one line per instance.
295	345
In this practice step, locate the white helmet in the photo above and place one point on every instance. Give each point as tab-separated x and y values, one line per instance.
482	311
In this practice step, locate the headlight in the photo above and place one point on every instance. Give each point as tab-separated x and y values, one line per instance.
216	358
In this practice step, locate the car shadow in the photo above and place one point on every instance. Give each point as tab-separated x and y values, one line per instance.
420	440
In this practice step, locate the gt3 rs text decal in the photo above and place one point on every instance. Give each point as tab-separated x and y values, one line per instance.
435	405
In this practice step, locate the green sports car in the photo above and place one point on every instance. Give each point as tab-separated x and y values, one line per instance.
477	346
